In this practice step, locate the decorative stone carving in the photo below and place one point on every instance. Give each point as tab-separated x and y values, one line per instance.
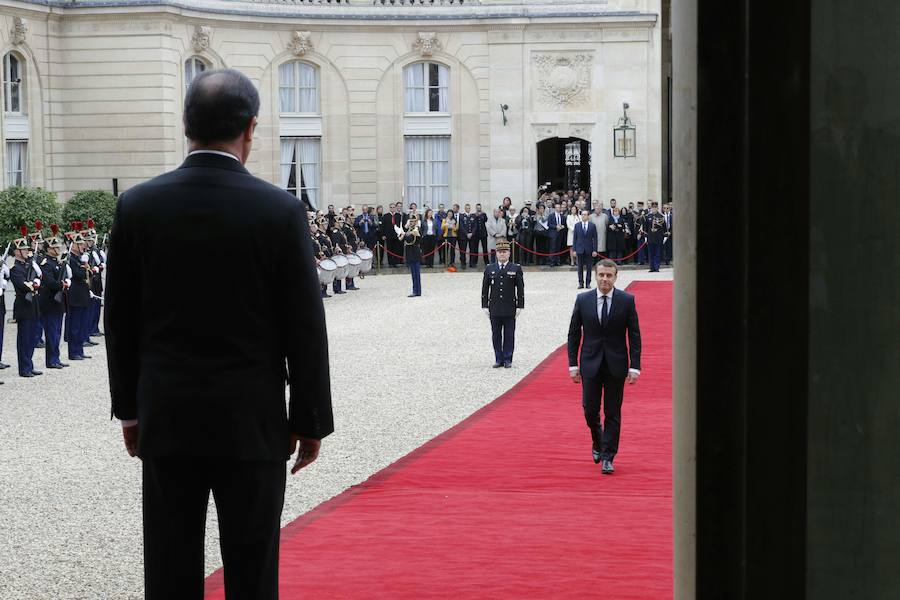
544	131
563	80
19	30
427	43
300	43
200	39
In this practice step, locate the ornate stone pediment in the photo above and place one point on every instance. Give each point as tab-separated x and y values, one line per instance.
19	31
427	43
563	79
200	38
300	43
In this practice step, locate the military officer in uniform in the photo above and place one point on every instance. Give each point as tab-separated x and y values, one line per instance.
352	241
412	254
26	312
52	304
97	260
4	282
503	299
79	294
329	248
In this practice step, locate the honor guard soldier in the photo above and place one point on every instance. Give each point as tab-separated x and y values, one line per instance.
317	249
52	302
347	244
657	233
79	294
38	255
26	311
4	283
97	260
503	299
352	242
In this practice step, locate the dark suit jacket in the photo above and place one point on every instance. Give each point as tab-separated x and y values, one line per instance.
204	371
552	221
51	287
412	248
584	243
79	292
606	342
503	293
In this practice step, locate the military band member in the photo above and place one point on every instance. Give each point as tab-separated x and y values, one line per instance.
352	241
97	260
503	299
323	236
412	254
657	232
52	302
37	255
26	312
340	246
79	294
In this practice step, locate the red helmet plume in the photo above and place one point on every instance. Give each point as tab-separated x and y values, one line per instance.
38	225
54	228
78	225
90	223
23	230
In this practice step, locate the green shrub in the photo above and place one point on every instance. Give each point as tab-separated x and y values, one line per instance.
23	206
99	205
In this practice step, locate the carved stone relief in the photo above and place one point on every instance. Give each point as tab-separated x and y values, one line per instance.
19	31
563	80
300	43
427	43
200	38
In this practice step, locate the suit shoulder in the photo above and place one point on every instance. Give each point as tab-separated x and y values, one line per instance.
584	295
626	296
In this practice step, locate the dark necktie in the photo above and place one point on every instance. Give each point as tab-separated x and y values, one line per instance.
604	313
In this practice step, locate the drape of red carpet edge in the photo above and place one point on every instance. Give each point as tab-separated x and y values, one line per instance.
509	503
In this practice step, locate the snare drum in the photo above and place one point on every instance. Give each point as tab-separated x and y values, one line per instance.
343	266
327	269
366	255
353	268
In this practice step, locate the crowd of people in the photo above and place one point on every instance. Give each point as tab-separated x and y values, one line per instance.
540	232
58	280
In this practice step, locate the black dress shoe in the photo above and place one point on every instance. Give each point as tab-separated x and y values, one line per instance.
57	366
580	287
3	366
26	374
607	468
36	372
90	343
596	455
63	365
497	365
340	292
507	365
39	345
76	358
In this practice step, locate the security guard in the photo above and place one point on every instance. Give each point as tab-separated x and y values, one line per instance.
27	284
97	260
657	233
503	299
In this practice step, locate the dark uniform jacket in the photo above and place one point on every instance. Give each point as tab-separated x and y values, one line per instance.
51	300
480	225
207	379
412	249
94	260
25	306
503	290
655	228
599	342
79	292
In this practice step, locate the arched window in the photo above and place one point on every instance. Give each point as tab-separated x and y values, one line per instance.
13	88
298	87
193	67
427	87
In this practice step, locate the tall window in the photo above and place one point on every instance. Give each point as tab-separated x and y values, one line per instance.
298	87
427	87
16	155
428	170
300	164
192	67
12	84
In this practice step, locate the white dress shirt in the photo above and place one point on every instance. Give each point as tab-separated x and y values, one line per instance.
609	300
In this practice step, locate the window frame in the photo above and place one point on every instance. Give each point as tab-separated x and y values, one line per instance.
427	87
428	198
297	88
296	170
8	83
7	174
193	60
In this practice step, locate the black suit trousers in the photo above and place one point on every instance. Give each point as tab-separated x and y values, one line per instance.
249	497
610	390
585	266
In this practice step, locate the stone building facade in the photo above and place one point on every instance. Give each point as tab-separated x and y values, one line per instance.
362	102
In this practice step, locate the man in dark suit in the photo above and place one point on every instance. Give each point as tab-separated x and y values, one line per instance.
202	401
600	322
554	224
462	231
584	243
503	298
657	234
478	227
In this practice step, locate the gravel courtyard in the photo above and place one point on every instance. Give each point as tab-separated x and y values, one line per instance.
403	370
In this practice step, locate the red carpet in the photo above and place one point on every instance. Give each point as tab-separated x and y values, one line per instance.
509	504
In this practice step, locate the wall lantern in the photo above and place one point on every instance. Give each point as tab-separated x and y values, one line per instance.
624	136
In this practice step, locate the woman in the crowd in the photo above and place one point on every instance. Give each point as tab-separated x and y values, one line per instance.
541	238
429	231
571	221
450	233
525	236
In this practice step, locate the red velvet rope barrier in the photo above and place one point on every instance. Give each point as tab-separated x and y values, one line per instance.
569	250
529	250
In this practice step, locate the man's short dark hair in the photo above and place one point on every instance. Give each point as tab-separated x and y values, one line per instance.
607	263
219	105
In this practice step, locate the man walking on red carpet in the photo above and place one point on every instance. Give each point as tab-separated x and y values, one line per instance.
600	322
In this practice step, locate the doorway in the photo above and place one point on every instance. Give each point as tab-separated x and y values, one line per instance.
564	164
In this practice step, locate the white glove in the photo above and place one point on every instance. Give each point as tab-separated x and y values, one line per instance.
84	258
518	312
96	269
487	311
102	266
67	282
36	283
